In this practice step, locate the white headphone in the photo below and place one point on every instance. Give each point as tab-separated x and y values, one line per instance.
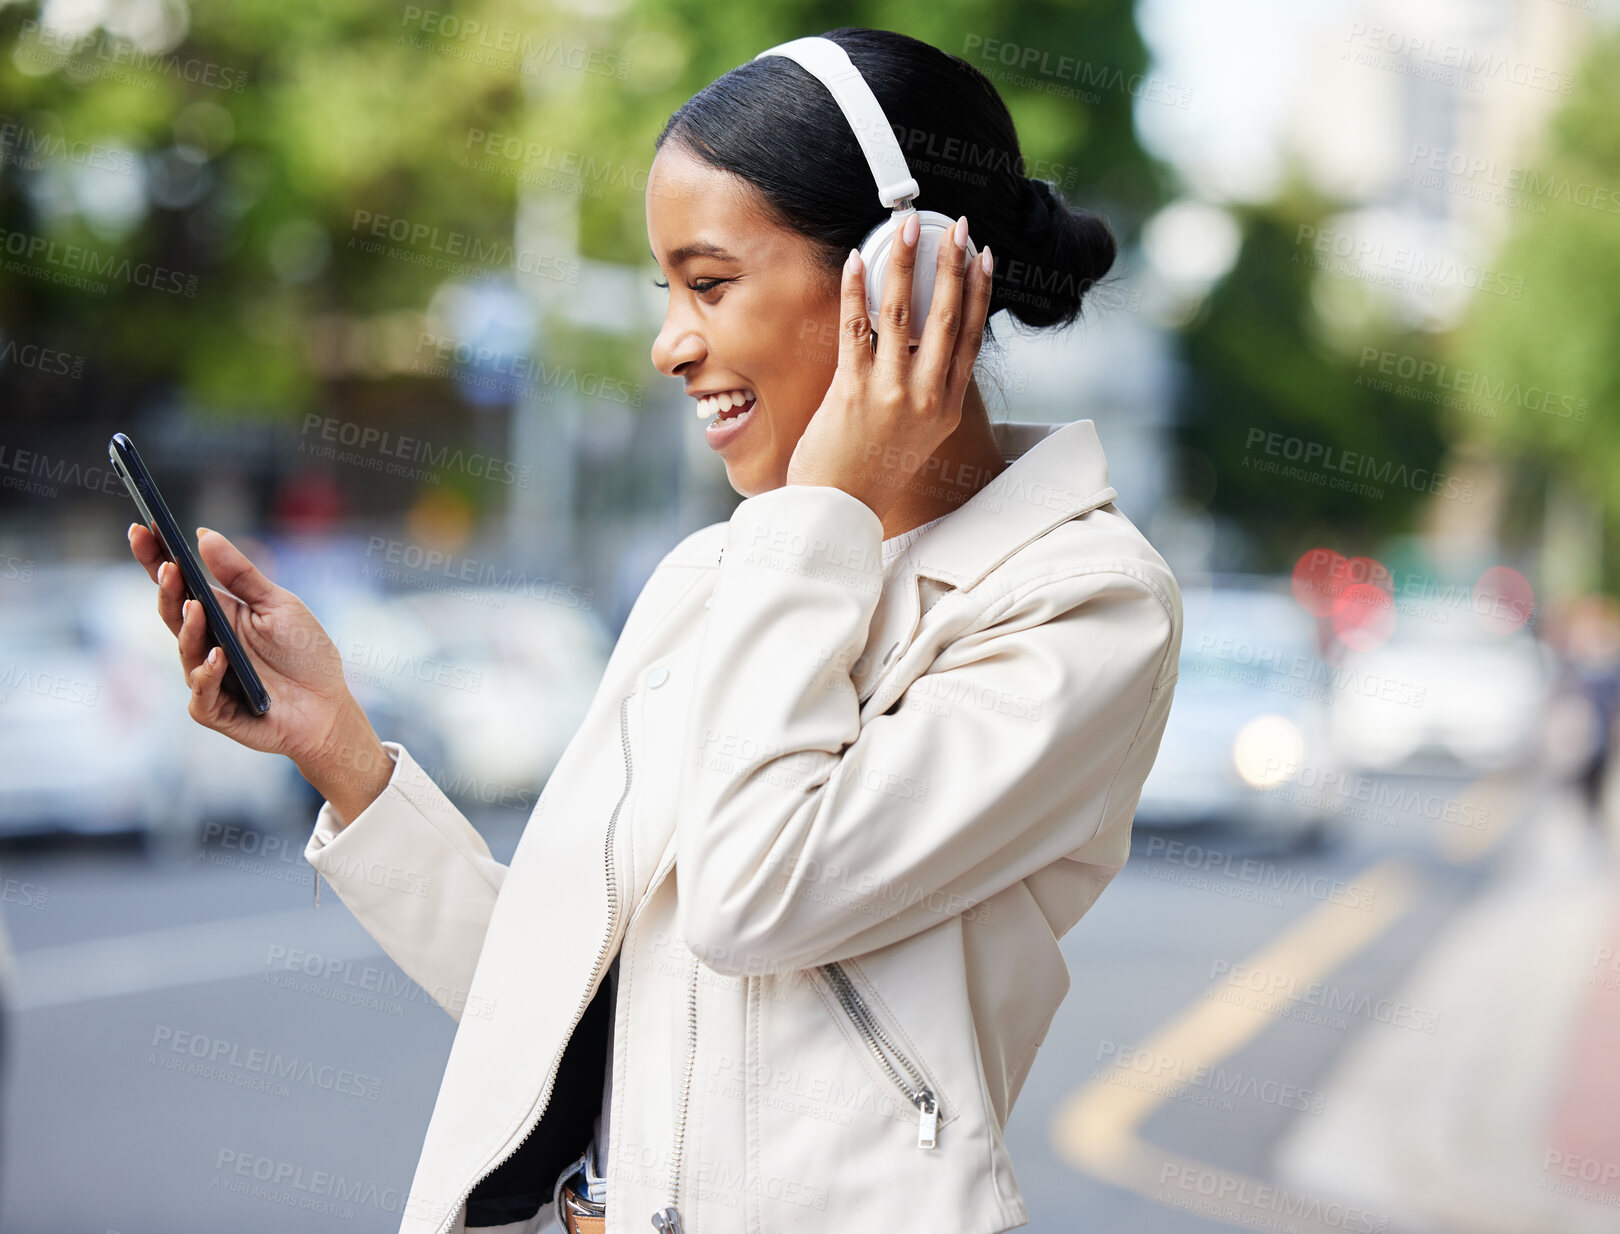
831	64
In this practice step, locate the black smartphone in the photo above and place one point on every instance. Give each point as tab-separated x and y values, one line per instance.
240	678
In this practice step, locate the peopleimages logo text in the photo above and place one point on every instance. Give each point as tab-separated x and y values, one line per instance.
1327	458
380	441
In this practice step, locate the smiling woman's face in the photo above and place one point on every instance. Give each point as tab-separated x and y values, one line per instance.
748	309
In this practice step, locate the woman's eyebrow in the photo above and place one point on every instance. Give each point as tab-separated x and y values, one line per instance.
698	248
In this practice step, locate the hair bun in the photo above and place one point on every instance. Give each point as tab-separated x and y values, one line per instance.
1064	251
1042	207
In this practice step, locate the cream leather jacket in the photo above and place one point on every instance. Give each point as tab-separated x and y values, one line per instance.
832	821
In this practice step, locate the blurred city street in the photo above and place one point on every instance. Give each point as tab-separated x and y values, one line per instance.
378	292
1258	1034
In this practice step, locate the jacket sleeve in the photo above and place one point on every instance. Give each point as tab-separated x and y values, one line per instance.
804	837
417	875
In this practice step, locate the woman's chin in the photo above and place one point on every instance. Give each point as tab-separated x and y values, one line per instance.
750	480
752	472
743	487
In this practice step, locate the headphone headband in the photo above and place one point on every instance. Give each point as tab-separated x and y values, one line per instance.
830	63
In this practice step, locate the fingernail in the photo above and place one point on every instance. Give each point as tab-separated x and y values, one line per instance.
959	233
986	263
201	531
213	658
909	230
852	263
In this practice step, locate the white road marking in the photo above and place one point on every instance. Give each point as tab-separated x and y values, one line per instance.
181	955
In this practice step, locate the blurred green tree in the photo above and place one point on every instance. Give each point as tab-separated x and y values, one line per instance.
300	170
1270	386
1552	359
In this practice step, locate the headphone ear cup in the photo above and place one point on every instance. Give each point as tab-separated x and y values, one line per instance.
933	232
874	257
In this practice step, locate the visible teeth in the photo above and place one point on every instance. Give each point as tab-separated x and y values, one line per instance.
713	404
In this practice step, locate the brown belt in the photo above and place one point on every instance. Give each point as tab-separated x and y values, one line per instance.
578	1219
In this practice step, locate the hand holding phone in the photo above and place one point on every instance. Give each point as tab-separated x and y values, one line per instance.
239	678
316	720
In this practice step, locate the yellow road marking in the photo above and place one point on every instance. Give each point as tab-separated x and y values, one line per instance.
1499	801
1096	1129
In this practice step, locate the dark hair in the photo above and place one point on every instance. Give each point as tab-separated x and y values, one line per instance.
771	122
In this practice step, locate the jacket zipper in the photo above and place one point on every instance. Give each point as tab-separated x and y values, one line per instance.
669	1220
601	953
921	1095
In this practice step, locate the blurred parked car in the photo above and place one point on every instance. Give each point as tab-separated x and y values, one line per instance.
77	748
509	677
485	685
1444	694
94	732
196	776
1248	738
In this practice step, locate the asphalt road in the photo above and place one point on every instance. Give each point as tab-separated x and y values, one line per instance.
1212	984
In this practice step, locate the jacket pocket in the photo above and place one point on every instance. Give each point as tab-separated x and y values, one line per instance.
886	1049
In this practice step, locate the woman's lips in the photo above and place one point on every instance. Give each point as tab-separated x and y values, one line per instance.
729	425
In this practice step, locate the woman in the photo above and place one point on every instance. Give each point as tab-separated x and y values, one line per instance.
780	941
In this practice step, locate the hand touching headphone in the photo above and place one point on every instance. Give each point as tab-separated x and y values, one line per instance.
886	412
897	189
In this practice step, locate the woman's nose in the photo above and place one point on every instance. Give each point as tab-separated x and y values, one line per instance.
675	348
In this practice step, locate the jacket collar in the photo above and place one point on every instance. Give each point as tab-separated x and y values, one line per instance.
1056	472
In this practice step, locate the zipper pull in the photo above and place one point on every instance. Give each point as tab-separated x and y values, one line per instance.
928	1119
668	1221
317	875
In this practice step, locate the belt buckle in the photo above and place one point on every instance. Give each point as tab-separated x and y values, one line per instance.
579	1205
570	1203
